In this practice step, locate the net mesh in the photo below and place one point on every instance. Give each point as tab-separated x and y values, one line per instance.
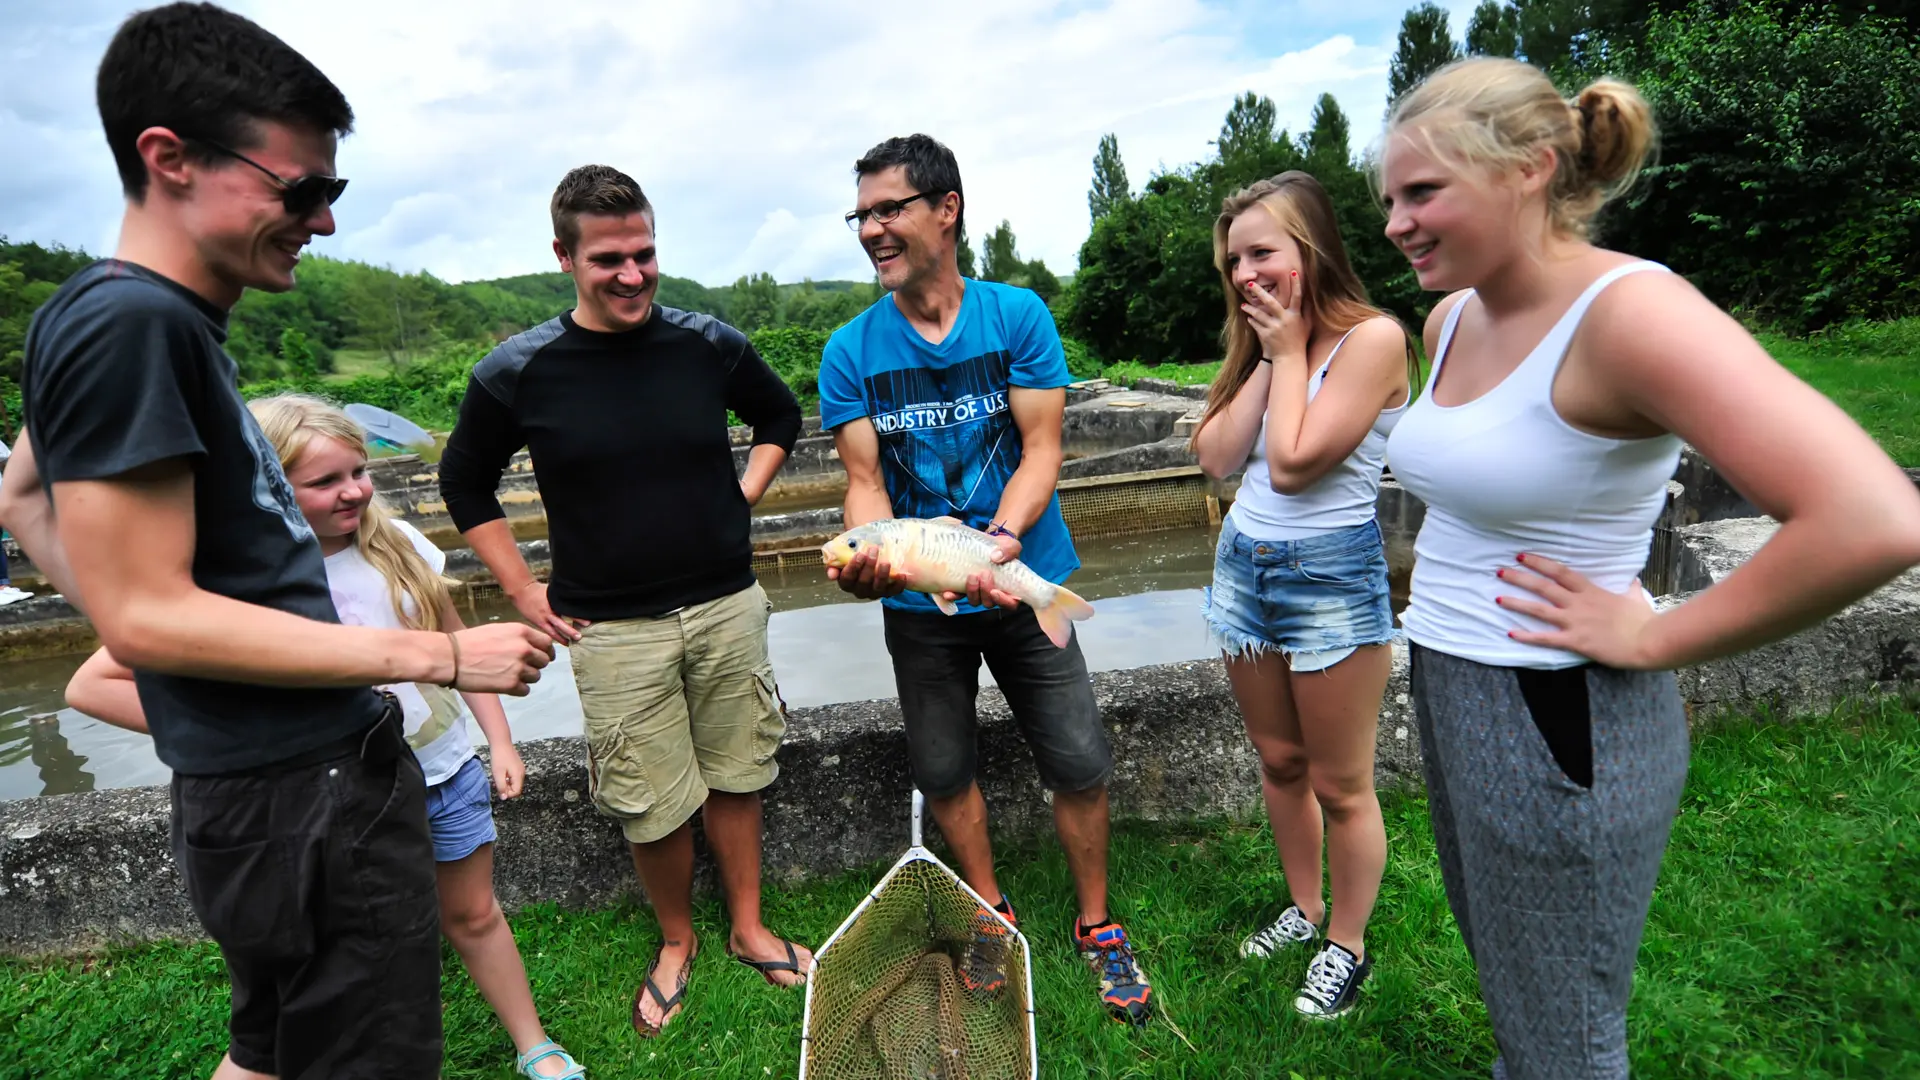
920	986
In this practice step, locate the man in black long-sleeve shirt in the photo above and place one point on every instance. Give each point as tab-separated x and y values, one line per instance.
622	405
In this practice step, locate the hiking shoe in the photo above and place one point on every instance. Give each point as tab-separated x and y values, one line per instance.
983	963
1124	989
1291	928
1333	983
9	594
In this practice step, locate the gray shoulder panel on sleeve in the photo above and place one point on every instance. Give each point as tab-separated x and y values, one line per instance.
730	343
499	371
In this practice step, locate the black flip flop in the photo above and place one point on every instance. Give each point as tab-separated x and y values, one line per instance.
766	968
640	1025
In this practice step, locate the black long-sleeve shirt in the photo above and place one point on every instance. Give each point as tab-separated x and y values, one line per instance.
627	434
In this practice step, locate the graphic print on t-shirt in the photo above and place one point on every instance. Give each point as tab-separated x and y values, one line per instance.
271	491
947	441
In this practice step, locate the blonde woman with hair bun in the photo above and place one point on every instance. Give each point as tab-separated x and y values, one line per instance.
1565	379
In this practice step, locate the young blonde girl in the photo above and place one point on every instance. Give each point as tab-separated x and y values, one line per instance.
383	572
1314	379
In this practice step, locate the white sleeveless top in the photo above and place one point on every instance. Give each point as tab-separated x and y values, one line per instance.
1341	499
1503	474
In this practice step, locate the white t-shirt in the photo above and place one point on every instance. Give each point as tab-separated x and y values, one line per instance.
435	717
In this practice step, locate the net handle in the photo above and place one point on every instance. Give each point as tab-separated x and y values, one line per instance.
919	810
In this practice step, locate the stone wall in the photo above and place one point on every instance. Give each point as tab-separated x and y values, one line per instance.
76	870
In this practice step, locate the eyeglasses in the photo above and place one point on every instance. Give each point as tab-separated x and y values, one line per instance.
301	197
886	211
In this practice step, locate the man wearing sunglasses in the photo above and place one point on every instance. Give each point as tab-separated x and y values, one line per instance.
946	399
150	496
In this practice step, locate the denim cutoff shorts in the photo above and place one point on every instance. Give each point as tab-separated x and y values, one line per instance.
1313	600
460	813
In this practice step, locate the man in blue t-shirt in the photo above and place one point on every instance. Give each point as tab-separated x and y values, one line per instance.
945	399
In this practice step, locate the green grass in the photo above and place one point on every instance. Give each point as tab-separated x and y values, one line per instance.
353	363
1784	940
1872	370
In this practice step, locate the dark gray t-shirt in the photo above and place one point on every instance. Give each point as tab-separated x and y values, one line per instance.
125	368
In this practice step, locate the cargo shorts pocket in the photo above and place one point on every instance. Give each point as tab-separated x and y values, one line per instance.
616	781
770	719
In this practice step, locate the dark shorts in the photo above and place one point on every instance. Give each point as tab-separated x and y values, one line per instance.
316	879
936	664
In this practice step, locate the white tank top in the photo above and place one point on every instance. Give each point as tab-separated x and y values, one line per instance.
1503	474
1341	499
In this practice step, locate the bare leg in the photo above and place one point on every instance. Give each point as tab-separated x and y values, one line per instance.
1263	687
1339	714
471	919
665	867
227	1070
963	821
1080	819
733	829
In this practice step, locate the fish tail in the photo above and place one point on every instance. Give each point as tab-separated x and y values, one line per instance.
1058	617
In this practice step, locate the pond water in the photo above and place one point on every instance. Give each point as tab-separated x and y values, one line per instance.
826	648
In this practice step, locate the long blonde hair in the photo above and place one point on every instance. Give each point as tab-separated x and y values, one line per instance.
291	422
1335	300
1495	114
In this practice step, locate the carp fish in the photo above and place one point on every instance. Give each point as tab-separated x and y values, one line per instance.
939	556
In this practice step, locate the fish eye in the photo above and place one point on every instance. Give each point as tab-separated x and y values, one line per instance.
853	545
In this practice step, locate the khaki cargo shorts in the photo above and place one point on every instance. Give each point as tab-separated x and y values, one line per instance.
676	706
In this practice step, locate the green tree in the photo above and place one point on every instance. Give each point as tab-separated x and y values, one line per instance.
1494	30
963	255
1044	282
1788	182
297	355
1327	141
755	303
1109	178
1000	262
1248	128
1426	45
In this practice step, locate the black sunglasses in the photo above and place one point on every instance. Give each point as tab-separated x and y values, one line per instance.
301	197
884	212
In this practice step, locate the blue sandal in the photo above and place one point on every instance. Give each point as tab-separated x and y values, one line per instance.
525	1062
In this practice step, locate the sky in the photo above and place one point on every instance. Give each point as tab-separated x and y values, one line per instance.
741	120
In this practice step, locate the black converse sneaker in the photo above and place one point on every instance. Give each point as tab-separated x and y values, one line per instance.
1291	928
1333	983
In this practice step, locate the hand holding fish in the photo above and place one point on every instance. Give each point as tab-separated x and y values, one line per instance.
947	560
980	590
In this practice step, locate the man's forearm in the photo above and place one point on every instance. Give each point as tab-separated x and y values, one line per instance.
493	541
866	502
210	636
1029	490
763	464
27	512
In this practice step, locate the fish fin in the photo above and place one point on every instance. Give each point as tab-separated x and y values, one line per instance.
945	605
1057	618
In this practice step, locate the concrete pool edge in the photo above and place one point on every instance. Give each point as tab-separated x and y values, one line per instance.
77	871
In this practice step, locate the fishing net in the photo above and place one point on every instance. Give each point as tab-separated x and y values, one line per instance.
921	983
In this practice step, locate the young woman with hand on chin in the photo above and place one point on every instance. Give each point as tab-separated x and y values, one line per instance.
1314	378
1565	378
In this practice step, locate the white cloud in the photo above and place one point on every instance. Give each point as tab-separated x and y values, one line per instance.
741	120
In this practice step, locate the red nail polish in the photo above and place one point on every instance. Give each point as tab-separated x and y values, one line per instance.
1509	633
1500	573
1522	557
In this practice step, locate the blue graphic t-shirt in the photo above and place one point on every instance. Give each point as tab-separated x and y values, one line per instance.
948	443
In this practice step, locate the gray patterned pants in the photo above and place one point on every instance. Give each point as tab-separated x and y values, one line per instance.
1548	878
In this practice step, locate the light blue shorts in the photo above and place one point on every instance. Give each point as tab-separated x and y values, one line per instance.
1313	600
460	813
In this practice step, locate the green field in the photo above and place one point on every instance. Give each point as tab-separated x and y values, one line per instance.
1784	940
352	363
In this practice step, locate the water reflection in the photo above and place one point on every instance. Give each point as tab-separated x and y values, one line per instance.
826	648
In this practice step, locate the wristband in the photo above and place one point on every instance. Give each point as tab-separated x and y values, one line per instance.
455	642
994	528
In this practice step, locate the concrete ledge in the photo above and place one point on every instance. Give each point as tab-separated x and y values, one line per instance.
76	870
79	870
